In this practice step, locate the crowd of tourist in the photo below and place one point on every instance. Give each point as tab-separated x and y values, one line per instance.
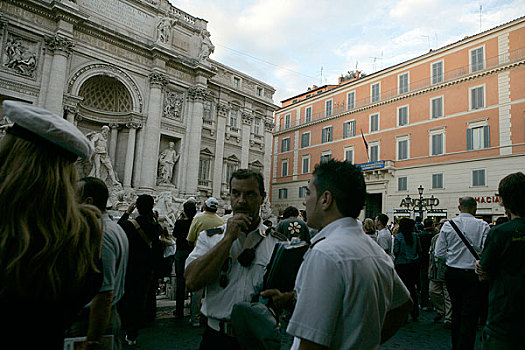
81	275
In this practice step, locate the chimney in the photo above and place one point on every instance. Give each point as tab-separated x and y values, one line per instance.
314	87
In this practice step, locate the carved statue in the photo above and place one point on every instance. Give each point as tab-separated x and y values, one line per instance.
165	208
167	160
101	157
173	105
19	57
207	48
164	29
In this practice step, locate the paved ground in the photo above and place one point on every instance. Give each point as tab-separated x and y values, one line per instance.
170	333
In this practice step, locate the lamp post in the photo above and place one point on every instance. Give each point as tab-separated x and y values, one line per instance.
420	204
420	189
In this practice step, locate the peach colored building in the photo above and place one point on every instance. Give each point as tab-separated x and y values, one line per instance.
451	121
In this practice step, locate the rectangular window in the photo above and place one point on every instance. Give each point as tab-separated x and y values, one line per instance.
305	140
402	149
284	168
437	181
328	108
478	177
233	118
306	165
349	155
230	169
374	153
302	191
437	72
326	134
256	126
437	144
403	83
204	168
478	137
283	193
477	59
206	113
287	121
349	129
402	115
236	82
326	157
374	122
350	100
376	92
402	183
259	91
308	115
477	97
437	107
285	144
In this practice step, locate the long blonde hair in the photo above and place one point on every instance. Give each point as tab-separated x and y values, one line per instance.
47	238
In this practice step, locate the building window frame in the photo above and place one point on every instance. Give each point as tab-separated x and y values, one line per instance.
302	191
479	177
431	144
234	117
374	154
349	129
402	184
283	193
308	114
284	167
437	78
285	144
237	82
329	107
437	181
349	150
474	103
370	124
442	107
327	136
478	135
405	141
259	91
403	83
375	96
476	66
407	116
287	120
350	100
305	164
325	156
303	138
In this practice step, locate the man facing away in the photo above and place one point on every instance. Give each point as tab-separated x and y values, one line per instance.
207	220
230	261
425	238
100	317
384	236
348	293
502	266
462	283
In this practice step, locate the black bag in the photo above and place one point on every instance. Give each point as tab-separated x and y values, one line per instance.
284	265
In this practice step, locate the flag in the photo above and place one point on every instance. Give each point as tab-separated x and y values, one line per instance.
366	143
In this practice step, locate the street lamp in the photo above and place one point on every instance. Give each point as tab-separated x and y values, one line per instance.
420	189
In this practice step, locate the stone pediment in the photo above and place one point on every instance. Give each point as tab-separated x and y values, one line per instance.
232	159
206	152
256	163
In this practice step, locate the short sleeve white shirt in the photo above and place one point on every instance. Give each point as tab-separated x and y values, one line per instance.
345	287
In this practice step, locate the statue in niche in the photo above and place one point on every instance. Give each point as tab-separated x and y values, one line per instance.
100	158
167	160
165	208
164	29
207	48
173	105
19	57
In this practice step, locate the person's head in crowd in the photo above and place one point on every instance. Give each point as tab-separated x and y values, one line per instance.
94	191
145	204
428	223
268	223
247	193
406	228
328	198
511	190
381	221
290	212
211	205
468	205
369	226
48	238
303	215
190	209
501	220
440	224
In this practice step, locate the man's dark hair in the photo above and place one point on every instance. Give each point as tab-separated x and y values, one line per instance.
511	189
96	189
145	204
190	209
501	220
468	203
419	219
242	174
345	182
289	212
268	223
383	219
303	214
428	222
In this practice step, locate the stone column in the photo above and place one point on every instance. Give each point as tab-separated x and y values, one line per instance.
196	95
150	154
113	142
61	48
222	114
245	137
130	153
268	128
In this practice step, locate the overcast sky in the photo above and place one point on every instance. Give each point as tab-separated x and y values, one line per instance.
287	43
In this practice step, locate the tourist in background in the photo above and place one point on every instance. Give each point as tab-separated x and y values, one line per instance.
369	227
425	238
49	243
384	236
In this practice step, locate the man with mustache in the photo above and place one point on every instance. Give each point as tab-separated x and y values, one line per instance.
229	261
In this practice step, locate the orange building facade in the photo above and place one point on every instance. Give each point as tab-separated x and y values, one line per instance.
451	121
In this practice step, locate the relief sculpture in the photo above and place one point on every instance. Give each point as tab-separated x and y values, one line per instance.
19	57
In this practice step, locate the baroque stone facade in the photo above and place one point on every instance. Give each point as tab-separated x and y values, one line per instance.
142	69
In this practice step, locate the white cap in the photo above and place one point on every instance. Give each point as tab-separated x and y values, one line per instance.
36	125
212	203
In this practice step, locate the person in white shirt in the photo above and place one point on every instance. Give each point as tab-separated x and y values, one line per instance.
462	282
384	236
348	293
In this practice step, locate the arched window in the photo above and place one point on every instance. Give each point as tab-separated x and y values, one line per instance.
107	94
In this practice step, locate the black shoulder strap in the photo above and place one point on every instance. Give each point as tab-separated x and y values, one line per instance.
464	239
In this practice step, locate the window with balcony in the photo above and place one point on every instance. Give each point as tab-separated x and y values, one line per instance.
402	83
375	94
257	126
350	100
328	108
402	183
374	122
437	72
204	169
477	97
285	144
477	59
349	129
373	153
287	121
436	106
308	114
437	181
305	139
326	134
402	116
478	177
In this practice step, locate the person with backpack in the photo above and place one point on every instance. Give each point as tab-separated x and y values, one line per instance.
144	248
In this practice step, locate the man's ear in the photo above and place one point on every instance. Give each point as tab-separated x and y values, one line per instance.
89	200
326	200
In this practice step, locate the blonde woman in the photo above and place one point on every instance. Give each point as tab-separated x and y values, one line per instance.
369	226
49	243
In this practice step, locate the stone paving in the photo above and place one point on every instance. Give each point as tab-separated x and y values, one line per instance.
170	333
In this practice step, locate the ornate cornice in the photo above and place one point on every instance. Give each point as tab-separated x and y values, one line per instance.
134	125
268	126
157	78
222	109
59	43
247	118
198	93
